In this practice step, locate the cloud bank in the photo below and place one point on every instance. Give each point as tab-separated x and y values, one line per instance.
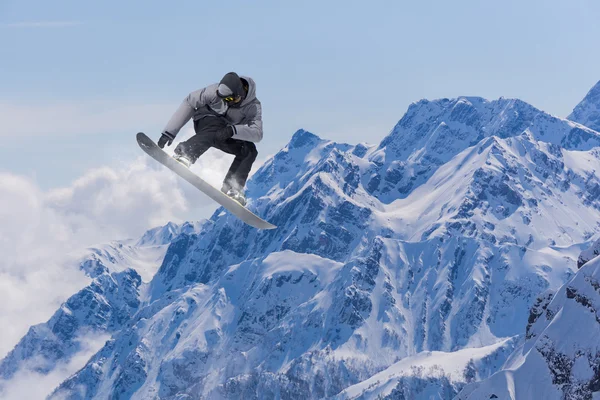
40	232
43	233
29	384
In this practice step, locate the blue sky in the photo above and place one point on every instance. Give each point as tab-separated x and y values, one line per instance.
79	79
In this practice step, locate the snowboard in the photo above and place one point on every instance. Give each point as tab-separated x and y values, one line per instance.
233	206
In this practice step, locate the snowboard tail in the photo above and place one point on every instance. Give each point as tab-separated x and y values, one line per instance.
233	206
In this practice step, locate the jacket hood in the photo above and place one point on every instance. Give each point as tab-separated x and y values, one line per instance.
251	96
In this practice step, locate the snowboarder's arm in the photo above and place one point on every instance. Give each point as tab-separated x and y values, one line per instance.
253	130
184	113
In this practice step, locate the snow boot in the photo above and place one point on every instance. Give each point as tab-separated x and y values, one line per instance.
237	196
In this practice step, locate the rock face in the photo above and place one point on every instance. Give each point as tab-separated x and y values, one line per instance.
434	244
587	112
561	357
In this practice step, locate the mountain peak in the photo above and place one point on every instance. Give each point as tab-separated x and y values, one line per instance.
163	235
587	112
159	235
302	138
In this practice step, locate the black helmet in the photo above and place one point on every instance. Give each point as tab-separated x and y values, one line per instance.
231	89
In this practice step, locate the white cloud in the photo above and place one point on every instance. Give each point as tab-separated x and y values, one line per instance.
28	384
39	230
111	203
34	241
43	24
85	117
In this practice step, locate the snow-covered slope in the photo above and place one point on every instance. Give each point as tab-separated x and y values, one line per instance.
561	357
118	271
589	254
434	243
587	112
432	375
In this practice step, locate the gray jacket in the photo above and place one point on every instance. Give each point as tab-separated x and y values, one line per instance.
246	119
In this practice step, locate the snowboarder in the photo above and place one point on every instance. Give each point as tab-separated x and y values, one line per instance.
228	116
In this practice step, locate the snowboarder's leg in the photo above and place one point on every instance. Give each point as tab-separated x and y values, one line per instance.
194	147
204	139
245	153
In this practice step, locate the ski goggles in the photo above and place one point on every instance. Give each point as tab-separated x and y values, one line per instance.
231	99
226	97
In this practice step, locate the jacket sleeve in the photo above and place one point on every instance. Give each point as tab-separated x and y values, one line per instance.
184	113
253	130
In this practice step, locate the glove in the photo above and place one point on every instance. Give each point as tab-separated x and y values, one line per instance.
225	133
166	138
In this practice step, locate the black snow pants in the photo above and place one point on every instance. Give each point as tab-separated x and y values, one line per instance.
206	137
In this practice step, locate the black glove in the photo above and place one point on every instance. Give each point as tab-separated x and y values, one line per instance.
166	138
225	133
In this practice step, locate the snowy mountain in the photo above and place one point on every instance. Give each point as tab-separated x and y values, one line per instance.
561	357
433	132
587	112
118	271
402	269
